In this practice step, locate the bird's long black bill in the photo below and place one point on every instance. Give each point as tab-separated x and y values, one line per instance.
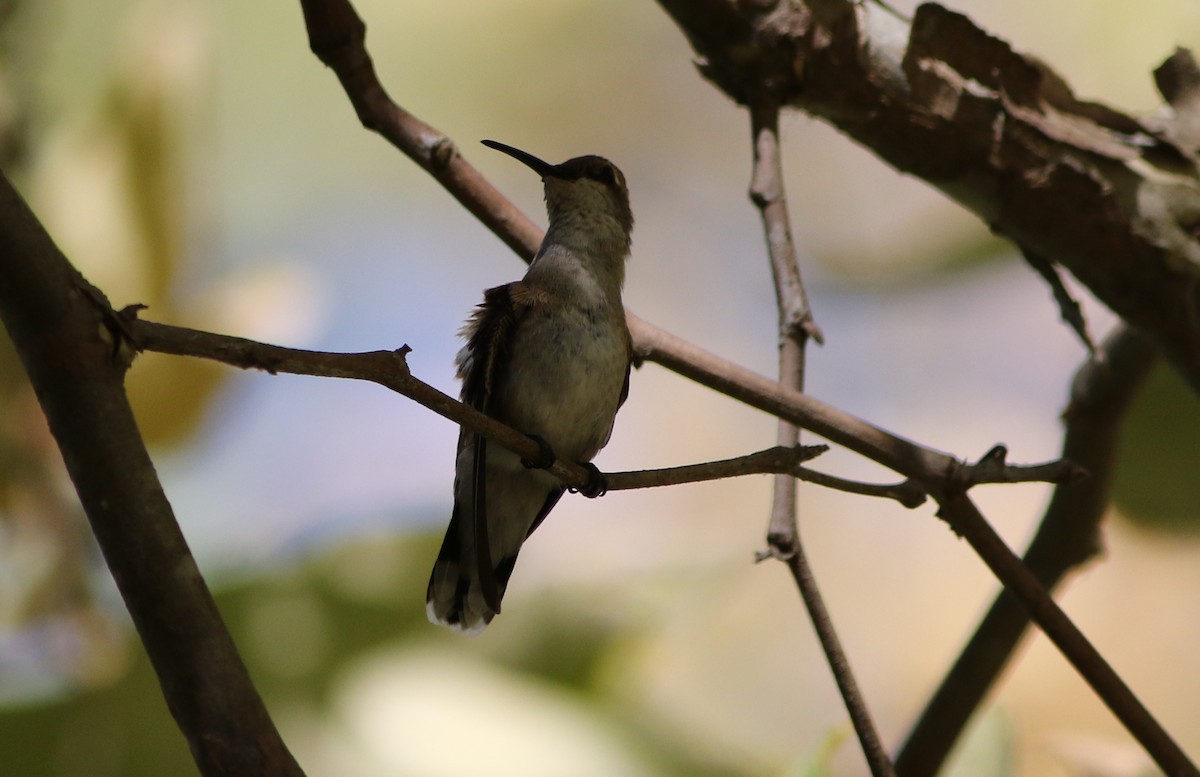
537	165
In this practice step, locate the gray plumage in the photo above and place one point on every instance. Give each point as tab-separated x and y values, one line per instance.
548	355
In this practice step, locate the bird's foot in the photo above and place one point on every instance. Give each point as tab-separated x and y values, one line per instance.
597	484
545	458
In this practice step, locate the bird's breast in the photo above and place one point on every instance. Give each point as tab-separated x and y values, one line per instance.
564	378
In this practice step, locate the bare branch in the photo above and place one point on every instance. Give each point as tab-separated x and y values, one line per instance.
966	520
796	322
1068	308
796	326
992	467
60	326
894	452
337	36
1108	196
1067	537
390	370
767	194
908	493
780	459
387	368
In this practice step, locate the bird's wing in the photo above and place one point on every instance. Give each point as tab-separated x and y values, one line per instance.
631	361
489	334
629	364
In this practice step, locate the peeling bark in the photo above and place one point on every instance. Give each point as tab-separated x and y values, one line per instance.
1112	198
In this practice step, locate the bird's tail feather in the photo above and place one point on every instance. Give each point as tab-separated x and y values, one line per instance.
455	596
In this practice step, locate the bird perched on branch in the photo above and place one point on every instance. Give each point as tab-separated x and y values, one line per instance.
548	355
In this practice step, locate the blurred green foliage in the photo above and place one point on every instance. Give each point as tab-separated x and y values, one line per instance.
110	180
301	629
1158	466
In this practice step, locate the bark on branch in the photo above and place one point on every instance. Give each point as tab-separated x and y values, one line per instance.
1112	198
68	340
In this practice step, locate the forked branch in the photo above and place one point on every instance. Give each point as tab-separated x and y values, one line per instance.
50	313
796	327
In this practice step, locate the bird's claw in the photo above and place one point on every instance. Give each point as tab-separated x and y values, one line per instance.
597	484
546	457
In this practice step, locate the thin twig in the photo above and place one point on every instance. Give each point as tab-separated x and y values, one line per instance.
777	460
390	370
796	323
908	493
1068	306
796	326
993	467
1068	536
901	455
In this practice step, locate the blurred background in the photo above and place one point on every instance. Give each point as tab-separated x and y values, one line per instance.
195	157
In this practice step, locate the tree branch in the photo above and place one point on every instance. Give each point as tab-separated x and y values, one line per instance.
908	493
778	460
796	326
337	36
390	370
1068	536
966	520
796	323
1110	197
66	343
993	468
387	368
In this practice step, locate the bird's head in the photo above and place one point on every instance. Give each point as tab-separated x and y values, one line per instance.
587	192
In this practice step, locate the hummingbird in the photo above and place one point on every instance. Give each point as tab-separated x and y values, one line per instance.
550	356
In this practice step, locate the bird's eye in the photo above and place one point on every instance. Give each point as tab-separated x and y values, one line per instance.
605	174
